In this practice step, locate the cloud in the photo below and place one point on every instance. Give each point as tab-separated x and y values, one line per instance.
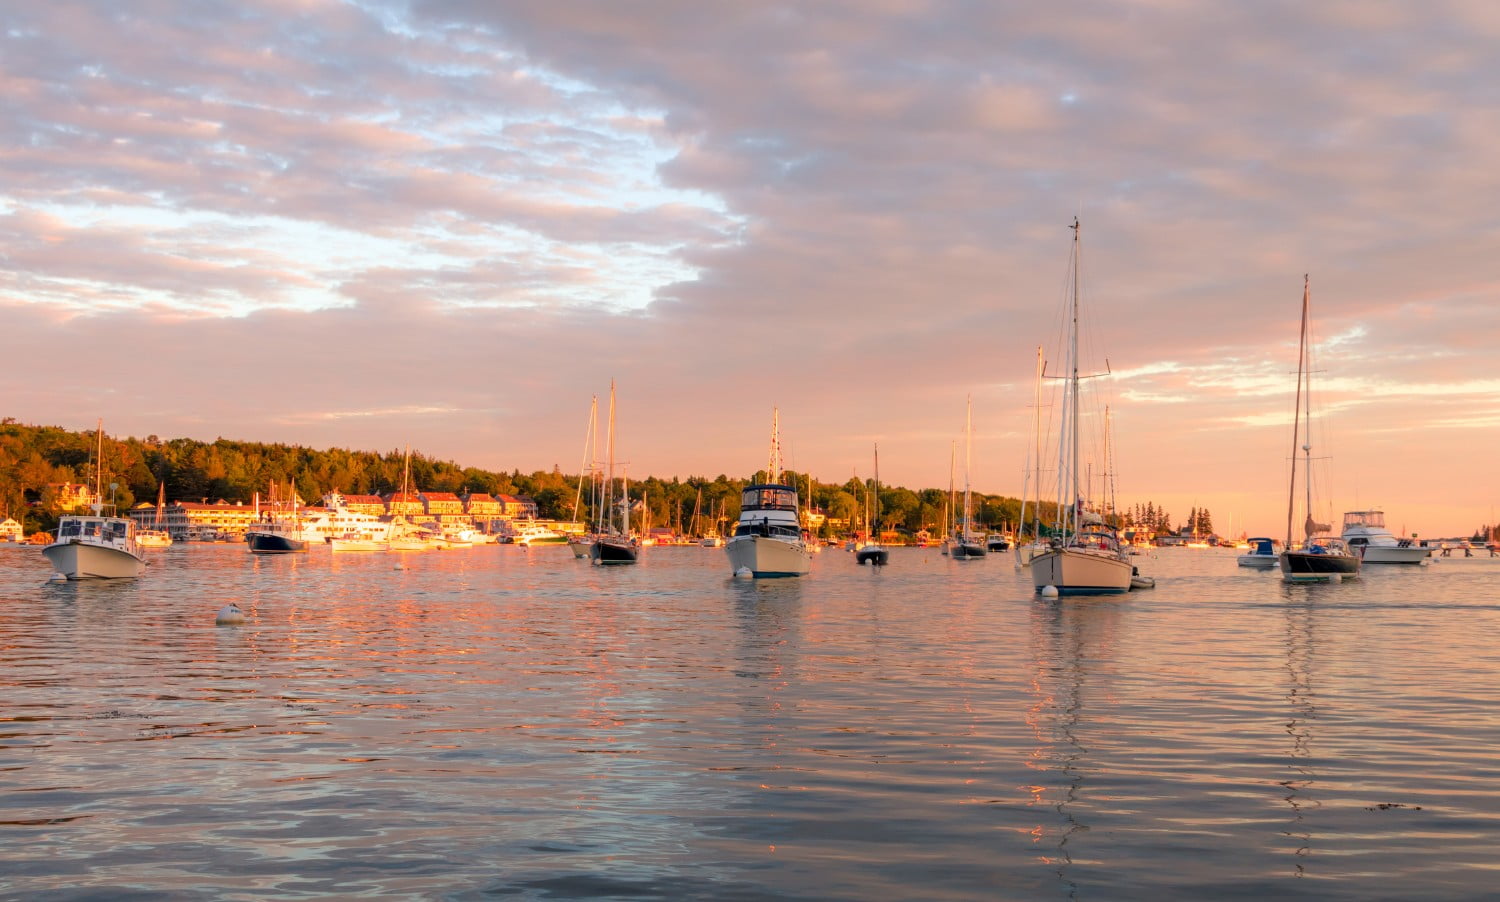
472	215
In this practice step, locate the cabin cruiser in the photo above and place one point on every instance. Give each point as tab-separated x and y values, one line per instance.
1367	536
1262	554
767	540
95	547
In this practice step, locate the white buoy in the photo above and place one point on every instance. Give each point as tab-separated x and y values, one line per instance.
744	573
1049	591
400	565
1335	578
229	615
57	578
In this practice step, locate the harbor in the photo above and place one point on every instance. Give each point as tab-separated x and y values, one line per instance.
520	723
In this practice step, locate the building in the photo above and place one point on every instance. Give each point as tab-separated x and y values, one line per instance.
517	507
188	521
69	496
359	504
441	505
10	530
406	504
481	506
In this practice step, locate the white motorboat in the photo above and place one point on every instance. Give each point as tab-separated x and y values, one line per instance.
1086	557
1367	536
96	546
767	540
1262	554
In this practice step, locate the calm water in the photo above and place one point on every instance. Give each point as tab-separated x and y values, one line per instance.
496	722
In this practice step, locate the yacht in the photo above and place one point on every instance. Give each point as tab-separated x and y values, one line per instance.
767	540
96	546
1367	536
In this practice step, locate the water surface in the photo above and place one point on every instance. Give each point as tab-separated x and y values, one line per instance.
496	722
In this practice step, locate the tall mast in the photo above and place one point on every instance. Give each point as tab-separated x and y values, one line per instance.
952	462
99	468
1073	378
877	487
1291	492
968	458
609	492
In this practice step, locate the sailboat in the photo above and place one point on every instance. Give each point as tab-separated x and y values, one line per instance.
1085	556
767	540
157	536
1320	557
404	535
580	543
612	541
1025	552
98	546
872	552
968	544
275	531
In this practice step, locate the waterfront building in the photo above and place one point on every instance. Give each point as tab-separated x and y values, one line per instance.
69	496
481	506
10	530
442	506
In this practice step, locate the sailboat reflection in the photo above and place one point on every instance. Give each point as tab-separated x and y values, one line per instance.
1302	711
1069	641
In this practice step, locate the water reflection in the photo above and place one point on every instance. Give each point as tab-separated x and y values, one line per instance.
1302	712
1069	640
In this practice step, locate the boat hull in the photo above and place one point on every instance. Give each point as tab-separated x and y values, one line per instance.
872	556
997	545
273	543
1259	561
1385	554
967	551
356	545
768	557
1074	572
611	551
78	560
1309	567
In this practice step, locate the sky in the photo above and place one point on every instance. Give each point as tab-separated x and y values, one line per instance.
450	224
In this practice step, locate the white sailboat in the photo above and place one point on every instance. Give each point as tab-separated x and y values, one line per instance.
1025	551
768	541
580	543
157	536
968	544
98	546
1085	556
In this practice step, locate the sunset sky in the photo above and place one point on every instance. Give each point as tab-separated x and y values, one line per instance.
367	224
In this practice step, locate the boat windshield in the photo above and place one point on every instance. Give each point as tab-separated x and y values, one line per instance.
1374	519
768	498
68	527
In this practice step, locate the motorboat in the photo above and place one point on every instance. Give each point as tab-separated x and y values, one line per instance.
1367	536
767	540
1261	554
153	538
96	546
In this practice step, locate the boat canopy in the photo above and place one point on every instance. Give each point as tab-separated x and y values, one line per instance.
1365	518
769	498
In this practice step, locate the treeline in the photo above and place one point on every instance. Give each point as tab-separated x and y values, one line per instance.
33	457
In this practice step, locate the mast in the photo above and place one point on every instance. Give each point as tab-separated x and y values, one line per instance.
877	486
609	491
99	469
1073	379
773	466
952	462
968	457
1291	492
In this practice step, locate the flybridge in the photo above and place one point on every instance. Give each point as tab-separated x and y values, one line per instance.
769	498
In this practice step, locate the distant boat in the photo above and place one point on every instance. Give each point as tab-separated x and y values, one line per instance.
872	552
276	531
1367	536
612	540
1262	554
1086	558
968	544
157	536
1319	557
99	546
767	540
